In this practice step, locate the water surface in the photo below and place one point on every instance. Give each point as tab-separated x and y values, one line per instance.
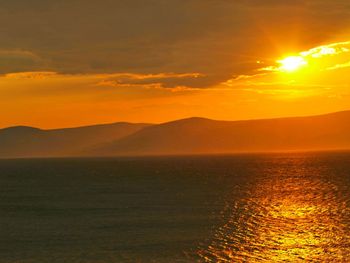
252	208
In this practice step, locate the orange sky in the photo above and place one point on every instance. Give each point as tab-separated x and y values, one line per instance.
162	62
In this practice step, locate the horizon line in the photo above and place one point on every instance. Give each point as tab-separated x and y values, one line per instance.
174	120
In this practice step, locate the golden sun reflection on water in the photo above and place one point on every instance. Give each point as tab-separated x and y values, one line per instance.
290	215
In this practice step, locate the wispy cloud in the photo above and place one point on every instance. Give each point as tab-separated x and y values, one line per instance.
339	66
161	80
327	50
316	55
170	81
31	75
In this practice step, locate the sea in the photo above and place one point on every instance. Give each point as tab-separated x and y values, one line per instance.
292	207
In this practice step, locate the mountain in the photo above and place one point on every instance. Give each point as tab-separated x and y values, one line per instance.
187	136
24	141
201	136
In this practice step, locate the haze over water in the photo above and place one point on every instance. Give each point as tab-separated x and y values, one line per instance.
251	208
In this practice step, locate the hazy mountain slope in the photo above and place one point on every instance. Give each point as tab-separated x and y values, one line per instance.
31	142
188	136
198	135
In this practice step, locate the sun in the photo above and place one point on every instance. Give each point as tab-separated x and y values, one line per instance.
292	63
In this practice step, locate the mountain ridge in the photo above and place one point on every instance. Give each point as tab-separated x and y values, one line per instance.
24	141
194	135
260	135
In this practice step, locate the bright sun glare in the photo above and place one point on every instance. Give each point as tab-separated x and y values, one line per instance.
292	63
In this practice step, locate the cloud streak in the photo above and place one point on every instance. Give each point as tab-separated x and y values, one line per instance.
318	55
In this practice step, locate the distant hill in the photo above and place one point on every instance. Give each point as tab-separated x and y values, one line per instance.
24	141
201	136
187	136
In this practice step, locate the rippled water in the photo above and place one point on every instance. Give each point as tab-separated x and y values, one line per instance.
296	210
252	208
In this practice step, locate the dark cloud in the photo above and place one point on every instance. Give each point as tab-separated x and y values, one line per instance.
19	61
219	39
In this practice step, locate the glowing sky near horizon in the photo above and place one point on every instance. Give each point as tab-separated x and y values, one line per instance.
72	63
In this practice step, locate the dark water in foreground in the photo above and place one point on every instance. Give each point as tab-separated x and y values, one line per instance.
272	208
